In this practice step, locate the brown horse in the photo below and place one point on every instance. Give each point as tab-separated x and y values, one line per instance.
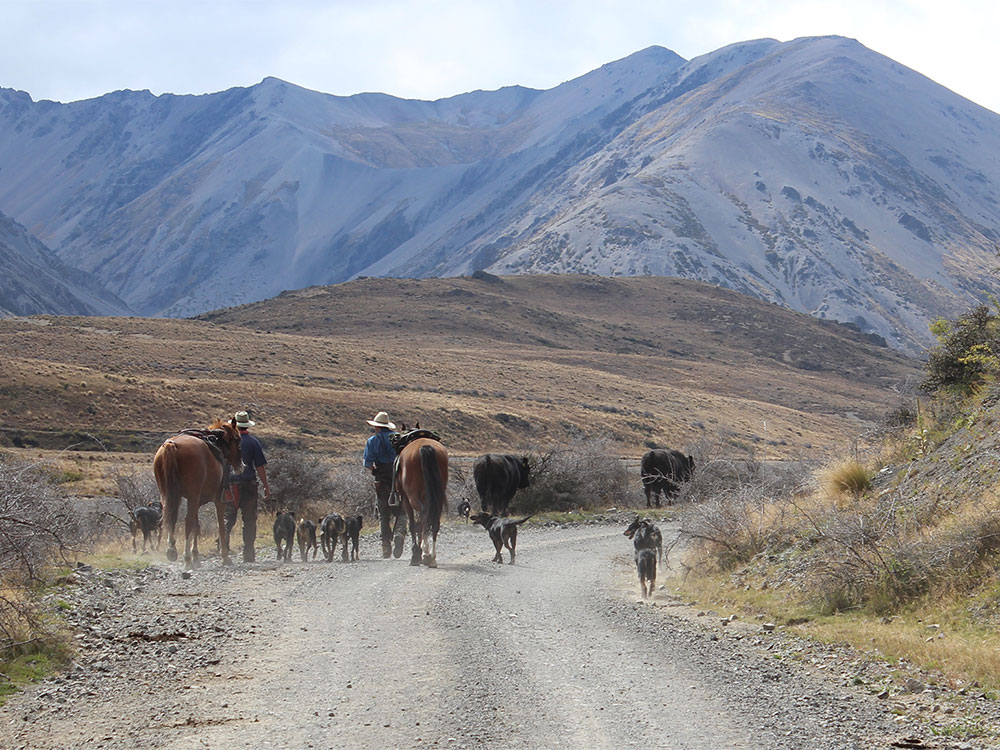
421	483
185	466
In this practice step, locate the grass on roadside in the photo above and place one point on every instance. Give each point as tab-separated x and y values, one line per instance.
35	645
961	647
35	661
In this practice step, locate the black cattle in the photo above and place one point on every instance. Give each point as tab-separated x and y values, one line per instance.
498	477
663	471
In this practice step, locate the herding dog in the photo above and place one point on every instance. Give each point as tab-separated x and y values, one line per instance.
284	532
331	528
653	538
645	565
307	538
352	530
146	520
646	539
503	532
464	508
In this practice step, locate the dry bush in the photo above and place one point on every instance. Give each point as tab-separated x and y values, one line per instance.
36	529
884	552
586	474
352	490
134	488
298	480
740	506
719	470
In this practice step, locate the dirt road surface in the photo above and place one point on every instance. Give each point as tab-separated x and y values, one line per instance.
553	652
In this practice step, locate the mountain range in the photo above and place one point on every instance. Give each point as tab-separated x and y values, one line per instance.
36	282
815	174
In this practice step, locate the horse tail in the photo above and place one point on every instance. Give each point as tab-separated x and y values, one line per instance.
433	485
168	480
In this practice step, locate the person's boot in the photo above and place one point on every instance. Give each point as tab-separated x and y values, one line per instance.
386	549
397	546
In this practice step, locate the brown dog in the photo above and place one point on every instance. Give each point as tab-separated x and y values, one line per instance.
306	533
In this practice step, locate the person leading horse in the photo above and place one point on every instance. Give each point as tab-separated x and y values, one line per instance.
379	458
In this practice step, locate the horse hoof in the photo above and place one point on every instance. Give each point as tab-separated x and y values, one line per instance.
227	562
415	561
430	562
172	555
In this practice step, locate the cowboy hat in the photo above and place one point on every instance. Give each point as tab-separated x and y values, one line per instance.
381	420
243	419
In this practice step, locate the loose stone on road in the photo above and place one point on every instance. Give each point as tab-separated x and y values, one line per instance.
553	652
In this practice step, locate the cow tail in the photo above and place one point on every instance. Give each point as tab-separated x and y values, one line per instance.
483	485
433	485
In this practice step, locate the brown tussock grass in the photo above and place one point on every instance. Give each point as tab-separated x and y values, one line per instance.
847	477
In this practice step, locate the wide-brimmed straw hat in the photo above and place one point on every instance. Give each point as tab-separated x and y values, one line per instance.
243	419
381	420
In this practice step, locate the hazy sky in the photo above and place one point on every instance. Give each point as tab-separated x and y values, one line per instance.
427	49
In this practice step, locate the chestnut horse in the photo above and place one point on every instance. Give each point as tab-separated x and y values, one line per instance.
421	483
185	466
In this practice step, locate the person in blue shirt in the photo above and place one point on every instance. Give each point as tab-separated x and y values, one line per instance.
379	459
244	486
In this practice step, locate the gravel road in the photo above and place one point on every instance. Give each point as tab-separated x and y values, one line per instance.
554	652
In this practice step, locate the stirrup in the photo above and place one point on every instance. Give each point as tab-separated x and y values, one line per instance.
393	499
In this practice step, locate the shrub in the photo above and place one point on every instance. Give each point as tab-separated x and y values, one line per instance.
967	354
586	474
352	490
36	528
740	506
297	478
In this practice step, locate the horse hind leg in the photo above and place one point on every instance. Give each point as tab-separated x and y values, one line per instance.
171	506
191	530
428	545
415	539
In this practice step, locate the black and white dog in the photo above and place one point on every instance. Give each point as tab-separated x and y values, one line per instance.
146	520
646	539
503	532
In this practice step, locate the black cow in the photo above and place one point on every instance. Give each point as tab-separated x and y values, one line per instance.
663	471
498	477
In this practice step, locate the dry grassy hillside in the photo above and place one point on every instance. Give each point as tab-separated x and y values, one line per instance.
490	363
